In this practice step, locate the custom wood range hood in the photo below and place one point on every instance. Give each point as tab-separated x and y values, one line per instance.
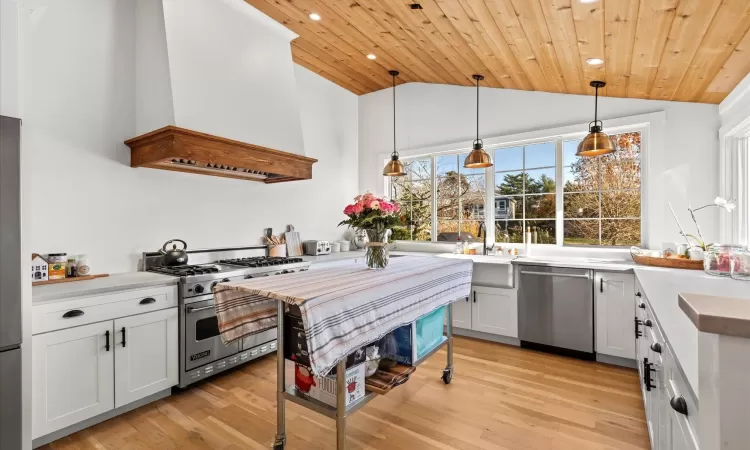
182	150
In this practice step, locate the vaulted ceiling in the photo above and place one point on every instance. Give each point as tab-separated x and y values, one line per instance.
684	50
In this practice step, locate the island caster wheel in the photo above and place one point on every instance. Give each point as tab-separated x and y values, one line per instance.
447	376
279	444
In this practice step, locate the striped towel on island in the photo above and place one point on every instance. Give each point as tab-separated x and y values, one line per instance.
343	308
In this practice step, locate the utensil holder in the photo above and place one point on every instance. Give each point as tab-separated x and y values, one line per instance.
278	250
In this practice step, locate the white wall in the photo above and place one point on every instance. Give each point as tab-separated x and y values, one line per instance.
684	168
86	197
9	54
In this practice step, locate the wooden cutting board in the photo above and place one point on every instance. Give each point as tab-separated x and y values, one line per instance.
293	242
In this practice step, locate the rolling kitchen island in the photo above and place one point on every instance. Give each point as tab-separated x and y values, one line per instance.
343	309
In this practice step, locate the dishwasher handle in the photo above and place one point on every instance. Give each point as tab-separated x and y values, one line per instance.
554	274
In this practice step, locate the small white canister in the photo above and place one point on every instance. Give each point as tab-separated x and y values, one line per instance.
335	247
83	268
345	245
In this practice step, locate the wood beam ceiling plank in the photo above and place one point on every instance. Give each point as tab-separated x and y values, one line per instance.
321	37
326	55
559	17
425	33
455	14
506	19
483	21
361	20
442	33
413	39
589	22
731	73
729	26
534	24
333	73
655	18
333	23
691	20
620	21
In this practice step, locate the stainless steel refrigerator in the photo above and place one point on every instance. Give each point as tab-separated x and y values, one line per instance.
10	284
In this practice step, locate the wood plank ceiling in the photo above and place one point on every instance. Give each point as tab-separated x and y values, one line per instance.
682	50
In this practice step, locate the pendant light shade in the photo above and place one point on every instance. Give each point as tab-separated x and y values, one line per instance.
596	142
478	158
394	167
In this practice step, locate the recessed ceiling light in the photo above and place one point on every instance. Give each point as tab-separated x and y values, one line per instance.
594	61
314	16
589	1
371	56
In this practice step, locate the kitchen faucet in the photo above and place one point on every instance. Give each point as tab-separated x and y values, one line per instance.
483	229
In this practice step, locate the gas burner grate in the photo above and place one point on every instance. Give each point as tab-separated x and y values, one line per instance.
260	261
187	270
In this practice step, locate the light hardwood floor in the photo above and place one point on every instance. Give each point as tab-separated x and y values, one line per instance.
501	397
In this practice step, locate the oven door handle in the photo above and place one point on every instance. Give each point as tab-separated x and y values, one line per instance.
190	309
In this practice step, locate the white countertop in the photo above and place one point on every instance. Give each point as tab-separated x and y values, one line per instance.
116	282
662	288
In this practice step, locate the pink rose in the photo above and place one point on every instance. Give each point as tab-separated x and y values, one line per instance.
374	204
349	210
357	208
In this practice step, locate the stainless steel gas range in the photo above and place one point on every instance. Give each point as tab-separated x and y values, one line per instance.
202	352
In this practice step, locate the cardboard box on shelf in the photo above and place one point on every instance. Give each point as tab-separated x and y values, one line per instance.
295	343
323	389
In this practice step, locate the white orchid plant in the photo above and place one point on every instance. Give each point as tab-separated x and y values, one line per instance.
727	205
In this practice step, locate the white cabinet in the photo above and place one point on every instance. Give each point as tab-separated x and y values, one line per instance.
462	314
614	314
73	376
146	356
494	311
84	371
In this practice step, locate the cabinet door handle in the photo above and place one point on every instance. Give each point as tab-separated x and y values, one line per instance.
656	347
601	284
148	301
123	336
475	296
73	313
637	328
679	404
106	336
467	299
647	369
648	322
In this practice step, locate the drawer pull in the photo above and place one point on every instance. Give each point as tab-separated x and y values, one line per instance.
106	345
647	369
638	294
642	305
656	347
148	301
648	323
679	404
73	313
123	336
637	328
475	296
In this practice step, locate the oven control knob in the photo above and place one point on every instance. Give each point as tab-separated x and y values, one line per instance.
213	284
225	280
285	271
198	289
247	277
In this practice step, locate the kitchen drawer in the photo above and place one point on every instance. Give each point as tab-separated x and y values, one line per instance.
676	384
85	310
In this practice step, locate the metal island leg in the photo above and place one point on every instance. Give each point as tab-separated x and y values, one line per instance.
341	405
280	440
448	371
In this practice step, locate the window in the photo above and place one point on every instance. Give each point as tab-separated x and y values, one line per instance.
539	186
602	195
525	193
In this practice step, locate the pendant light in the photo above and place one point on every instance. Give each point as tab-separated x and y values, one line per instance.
596	143
478	158
394	167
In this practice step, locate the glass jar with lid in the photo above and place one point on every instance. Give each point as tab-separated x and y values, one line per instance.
741	265
718	259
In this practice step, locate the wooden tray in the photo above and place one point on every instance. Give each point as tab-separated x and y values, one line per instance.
672	263
68	280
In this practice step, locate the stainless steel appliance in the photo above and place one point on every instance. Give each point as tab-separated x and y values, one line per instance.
556	310
10	284
202	352
315	248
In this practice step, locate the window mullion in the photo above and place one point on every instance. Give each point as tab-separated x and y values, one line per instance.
433	177
559	204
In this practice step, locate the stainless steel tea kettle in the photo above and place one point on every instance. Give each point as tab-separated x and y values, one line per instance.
174	256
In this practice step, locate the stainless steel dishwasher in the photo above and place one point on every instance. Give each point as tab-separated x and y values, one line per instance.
556	310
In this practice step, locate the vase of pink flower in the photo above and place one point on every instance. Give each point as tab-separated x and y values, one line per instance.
376	217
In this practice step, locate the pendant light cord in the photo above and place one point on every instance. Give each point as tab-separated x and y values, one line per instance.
477	108
596	104
394	114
